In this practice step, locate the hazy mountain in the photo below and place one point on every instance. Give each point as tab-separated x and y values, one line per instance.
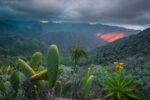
80	27
66	34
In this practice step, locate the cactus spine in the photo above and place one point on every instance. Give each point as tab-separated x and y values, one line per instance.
36	60
52	64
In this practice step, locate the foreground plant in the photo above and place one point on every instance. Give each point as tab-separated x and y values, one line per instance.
46	78
119	65
86	85
62	89
52	64
9	83
120	87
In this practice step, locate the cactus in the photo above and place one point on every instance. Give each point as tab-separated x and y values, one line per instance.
9	69
87	86
15	80
85	78
42	75
42	84
36	60
27	70
67	87
52	64
58	87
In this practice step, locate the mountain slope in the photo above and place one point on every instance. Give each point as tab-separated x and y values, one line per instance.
65	34
15	46
135	45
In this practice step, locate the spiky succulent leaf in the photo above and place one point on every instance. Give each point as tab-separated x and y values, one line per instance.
118	86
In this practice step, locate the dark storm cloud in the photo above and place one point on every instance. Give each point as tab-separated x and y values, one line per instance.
135	12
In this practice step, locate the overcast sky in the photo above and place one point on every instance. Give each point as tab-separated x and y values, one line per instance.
127	13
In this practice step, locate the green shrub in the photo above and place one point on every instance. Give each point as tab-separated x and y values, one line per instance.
142	76
100	73
120	87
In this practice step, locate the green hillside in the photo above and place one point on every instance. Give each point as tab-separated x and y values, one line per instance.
15	46
133	46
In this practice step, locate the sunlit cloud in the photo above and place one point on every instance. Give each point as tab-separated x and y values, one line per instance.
44	21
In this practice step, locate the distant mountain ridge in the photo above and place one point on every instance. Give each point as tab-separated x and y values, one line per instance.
65	34
74	27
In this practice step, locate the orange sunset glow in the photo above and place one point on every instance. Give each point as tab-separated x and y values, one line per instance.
110	37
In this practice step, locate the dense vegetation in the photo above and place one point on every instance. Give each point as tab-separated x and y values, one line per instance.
65	35
35	80
134	47
24	38
117	71
15	46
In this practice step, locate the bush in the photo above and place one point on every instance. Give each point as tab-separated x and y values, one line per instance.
120	87
100	73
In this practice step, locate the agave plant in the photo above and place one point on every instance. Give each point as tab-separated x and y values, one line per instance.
120	87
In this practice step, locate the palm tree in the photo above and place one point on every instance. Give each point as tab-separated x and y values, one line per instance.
77	53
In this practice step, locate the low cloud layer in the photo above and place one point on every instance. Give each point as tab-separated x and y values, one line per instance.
129	12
